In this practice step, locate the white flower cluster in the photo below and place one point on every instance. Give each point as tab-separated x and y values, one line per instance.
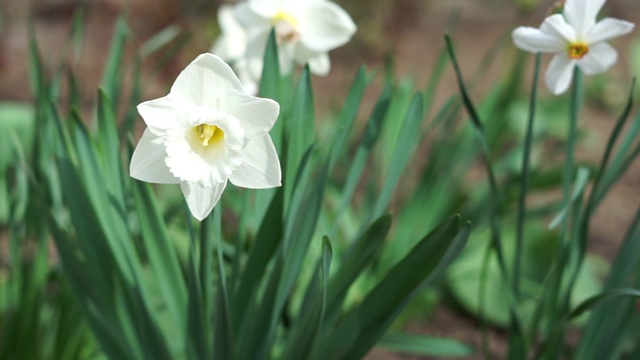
306	30
210	129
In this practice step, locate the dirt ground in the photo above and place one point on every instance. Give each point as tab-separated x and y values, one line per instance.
413	29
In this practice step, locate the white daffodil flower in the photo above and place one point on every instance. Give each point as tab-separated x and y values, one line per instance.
576	39
206	132
306	30
231	46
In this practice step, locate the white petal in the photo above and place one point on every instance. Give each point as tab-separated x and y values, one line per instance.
205	80
232	43
163	113
260	168
559	73
286	56
148	161
557	27
607	29
249	19
324	26
249	83
319	63
255	53
535	41
600	57
200	200
256	115
250	87
581	14
266	8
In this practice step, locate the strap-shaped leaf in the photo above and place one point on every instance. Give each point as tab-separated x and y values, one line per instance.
424	345
305	332
363	325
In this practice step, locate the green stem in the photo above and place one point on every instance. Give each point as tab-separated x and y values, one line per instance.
206	263
524	184
553	344
569	166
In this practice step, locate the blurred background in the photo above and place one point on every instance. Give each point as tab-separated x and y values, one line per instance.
404	34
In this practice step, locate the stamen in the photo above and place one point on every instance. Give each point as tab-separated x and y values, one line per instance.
578	50
284	16
207	132
285	25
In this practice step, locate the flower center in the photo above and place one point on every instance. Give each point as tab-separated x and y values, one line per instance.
578	50
285	26
209	133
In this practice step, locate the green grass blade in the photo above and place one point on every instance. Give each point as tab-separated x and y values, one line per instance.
197	347
109	142
304	333
112	77
298	232
223	343
581	181
161	254
357	166
517	347
267	241
299	133
254	333
299	228
76	33
424	345
348	115
477	123
600	186
524	183
598	299
363	253
271	77
128	124
367	322
434	80
405	148
36	69
159	40
607	323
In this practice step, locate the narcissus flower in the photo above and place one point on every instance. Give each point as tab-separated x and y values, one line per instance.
231	46
206	132
306	30
576	39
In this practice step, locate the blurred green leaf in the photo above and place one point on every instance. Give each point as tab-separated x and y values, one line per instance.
159	40
362	253
113	76
304	333
357	165
582	178
404	150
424	345
161	254
597	299
363	325
299	133
348	114
267	241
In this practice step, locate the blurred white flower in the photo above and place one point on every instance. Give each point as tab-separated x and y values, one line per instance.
205	132
306	30
576	39
231	46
